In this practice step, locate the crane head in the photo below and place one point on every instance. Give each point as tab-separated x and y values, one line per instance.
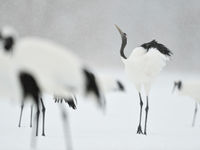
8	37
123	35
124	42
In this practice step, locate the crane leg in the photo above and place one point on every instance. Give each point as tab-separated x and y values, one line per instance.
146	110
139	130
20	118
66	127
37	117
43	113
31	117
35	128
195	114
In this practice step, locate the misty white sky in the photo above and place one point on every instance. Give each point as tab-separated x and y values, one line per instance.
87	27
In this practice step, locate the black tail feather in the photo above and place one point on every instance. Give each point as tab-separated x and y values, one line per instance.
92	87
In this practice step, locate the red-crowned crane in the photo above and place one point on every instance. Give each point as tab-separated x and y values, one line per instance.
190	88
43	66
142	67
106	83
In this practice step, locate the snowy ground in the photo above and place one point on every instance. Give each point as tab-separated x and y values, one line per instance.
169	126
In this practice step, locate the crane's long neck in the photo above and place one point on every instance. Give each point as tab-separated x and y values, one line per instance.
123	45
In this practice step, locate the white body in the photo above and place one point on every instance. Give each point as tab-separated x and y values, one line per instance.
108	83
9	82
143	67
6	78
191	88
57	70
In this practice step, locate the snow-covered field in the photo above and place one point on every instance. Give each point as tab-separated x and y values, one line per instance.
169	124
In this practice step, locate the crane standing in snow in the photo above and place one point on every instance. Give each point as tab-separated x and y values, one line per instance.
189	88
142	67
106	83
45	67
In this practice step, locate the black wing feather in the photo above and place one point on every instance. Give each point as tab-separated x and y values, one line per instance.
160	47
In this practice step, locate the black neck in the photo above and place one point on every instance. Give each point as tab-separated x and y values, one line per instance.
123	45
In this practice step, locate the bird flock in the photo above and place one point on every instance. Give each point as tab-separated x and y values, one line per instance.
33	66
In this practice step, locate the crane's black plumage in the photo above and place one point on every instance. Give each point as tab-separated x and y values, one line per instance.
71	103
93	87
178	84
160	47
120	85
31	88
9	43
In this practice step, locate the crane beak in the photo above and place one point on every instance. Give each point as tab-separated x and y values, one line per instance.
120	31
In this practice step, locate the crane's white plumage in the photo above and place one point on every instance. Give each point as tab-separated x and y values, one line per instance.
42	66
109	84
190	88
57	69
143	66
7	74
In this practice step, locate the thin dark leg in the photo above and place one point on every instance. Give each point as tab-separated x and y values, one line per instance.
56	100
146	110
66	128
139	130
31	118
20	118
37	118
195	114
43	121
